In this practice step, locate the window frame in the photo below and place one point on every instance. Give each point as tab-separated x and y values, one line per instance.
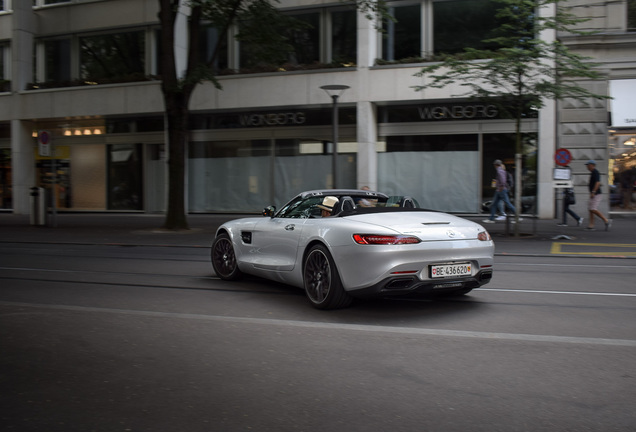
5	63
325	34
630	19
427	28
149	56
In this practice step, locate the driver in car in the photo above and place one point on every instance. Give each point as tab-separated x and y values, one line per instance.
328	203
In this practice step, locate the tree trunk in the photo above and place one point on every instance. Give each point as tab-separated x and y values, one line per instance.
176	97
177	125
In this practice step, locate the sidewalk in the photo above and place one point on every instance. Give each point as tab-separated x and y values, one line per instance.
545	237
538	237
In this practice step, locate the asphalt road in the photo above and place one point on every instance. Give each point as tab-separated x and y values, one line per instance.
97	337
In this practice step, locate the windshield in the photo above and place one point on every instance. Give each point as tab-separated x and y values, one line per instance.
306	207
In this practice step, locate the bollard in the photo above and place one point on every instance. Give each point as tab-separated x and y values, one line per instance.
38	206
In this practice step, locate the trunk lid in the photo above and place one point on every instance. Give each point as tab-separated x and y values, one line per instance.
427	226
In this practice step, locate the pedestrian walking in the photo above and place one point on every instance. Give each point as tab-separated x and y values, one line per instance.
569	198
594	187
501	192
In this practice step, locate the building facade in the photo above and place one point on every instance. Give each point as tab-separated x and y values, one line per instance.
81	110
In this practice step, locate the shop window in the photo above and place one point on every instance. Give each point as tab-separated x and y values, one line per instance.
223	149
631	15
453	31
302	165
150	124
125	186
113	56
54	174
243	167
503	147
440	171
402	38
57	55
432	143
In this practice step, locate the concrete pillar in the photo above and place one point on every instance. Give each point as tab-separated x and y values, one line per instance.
545	160
367	127
23	164
367	41
22	143
547	139
367	139
24	26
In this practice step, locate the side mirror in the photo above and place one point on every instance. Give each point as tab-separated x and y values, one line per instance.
269	211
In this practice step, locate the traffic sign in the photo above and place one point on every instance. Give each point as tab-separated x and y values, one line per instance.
44	143
563	157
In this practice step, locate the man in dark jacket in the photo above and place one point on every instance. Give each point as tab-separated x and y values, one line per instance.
501	192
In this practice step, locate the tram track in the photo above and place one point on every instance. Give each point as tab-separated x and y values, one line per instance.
115	274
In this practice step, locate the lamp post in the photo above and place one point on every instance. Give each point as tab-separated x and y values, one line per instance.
334	91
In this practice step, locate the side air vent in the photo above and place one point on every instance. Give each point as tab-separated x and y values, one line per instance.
246	236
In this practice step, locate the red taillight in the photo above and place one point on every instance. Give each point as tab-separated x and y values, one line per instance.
374	239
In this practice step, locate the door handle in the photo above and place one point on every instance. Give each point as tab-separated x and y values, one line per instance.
290	227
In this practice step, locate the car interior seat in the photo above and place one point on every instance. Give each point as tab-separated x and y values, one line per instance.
406	202
344	204
347	204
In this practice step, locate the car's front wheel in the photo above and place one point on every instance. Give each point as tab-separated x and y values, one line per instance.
322	281
224	259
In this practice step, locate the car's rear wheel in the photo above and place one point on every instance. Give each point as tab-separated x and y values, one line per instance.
323	286
224	259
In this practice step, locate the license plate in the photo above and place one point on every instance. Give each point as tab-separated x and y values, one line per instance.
451	270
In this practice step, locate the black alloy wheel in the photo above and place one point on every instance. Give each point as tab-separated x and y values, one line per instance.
224	259
322	283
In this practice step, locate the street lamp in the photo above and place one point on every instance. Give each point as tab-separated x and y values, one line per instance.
334	91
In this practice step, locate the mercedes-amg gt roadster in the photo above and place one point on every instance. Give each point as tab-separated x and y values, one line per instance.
343	244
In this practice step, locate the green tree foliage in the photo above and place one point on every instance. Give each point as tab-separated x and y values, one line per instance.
521	67
269	36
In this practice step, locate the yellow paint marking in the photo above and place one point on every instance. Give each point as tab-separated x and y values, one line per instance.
557	249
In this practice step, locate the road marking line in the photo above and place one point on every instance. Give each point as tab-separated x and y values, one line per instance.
558	292
557	249
626	267
341	326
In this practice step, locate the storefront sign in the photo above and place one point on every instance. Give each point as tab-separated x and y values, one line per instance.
273	119
443	111
458	112
265	119
623	93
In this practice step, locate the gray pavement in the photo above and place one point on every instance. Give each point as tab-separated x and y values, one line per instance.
537	237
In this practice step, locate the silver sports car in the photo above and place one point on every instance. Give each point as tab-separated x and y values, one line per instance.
343	244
